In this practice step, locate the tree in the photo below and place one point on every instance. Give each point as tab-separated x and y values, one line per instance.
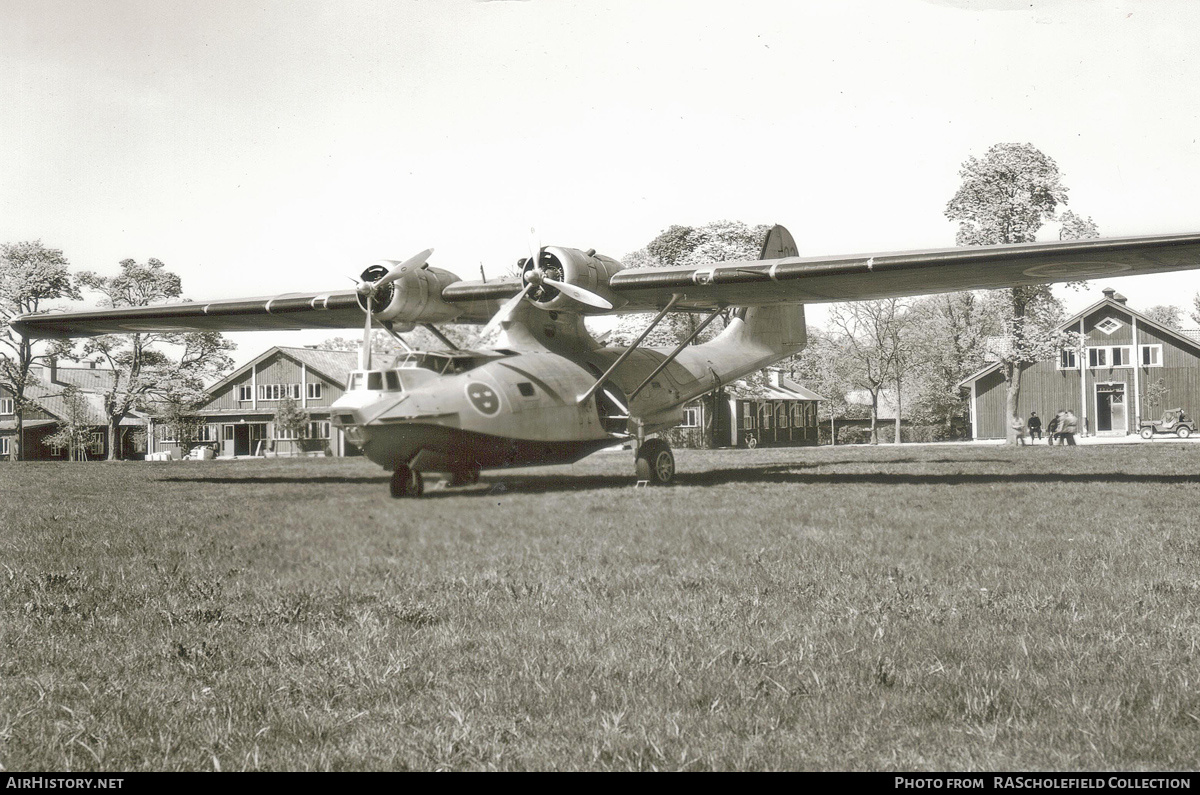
291	420
867	338
149	367
686	246
1006	198
30	276
74	430
1167	315
948	334
177	412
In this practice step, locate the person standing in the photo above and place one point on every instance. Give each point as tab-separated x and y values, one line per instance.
1035	426
1052	428
1019	429
1068	427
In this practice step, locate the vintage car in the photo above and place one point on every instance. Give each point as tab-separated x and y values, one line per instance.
1173	421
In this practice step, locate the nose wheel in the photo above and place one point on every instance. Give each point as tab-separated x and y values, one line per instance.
656	463
407	483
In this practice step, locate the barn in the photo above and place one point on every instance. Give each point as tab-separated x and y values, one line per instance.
50	408
238	415
776	413
1126	369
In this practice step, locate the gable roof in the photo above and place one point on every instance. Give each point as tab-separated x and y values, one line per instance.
333	366
1184	337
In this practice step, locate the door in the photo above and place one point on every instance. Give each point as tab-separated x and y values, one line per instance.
1110	408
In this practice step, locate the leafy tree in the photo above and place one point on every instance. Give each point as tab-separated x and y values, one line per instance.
178	412
30	276
867	339
1167	315
948	334
291	419
149	367
686	246
74	430
1006	197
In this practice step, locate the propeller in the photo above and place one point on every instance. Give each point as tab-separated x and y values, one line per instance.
368	290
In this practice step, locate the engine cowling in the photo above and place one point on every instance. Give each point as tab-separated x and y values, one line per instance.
414	297
585	269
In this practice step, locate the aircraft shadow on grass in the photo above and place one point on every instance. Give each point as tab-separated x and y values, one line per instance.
783	475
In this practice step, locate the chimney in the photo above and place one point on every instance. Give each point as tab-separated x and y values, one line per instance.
1109	293
1120	299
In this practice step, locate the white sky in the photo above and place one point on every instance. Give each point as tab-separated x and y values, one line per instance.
259	147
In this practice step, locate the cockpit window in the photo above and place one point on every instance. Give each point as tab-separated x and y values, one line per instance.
446	363
356	382
393	381
375	381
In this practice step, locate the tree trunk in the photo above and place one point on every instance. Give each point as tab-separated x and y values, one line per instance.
18	449
114	438
874	418
1012	383
898	410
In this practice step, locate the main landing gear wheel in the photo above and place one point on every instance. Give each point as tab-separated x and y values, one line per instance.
407	483
656	463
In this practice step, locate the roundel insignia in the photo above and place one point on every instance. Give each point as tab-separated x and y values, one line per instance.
483	398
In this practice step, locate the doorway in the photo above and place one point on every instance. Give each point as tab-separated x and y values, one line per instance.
1110	408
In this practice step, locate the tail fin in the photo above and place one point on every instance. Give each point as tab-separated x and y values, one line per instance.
779	244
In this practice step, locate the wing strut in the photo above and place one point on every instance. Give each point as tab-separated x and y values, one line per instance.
675	297
662	366
445	340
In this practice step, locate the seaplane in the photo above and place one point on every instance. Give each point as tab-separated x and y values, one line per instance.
547	392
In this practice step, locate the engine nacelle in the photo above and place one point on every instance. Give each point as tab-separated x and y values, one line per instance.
585	269
414	297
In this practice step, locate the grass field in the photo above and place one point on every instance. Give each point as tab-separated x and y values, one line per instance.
923	607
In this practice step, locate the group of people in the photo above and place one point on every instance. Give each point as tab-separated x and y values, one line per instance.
1060	430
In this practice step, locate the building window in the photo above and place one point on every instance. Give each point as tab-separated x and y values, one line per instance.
747	416
691	417
314	390
96	444
245	393
278	391
6	405
1108	325
797	415
1111	356
1067	359
206	433
4	445
781	416
318	430
1150	355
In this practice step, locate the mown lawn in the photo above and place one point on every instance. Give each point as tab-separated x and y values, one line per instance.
951	608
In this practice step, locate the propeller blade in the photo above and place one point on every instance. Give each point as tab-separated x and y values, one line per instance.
579	294
535	249
365	357
505	312
398	271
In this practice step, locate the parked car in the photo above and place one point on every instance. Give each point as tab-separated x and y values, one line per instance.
1173	421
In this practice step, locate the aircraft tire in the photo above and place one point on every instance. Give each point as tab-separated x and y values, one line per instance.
407	483
656	463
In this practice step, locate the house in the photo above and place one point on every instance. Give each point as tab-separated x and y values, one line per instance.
776	412
50	408
239	413
1126	368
